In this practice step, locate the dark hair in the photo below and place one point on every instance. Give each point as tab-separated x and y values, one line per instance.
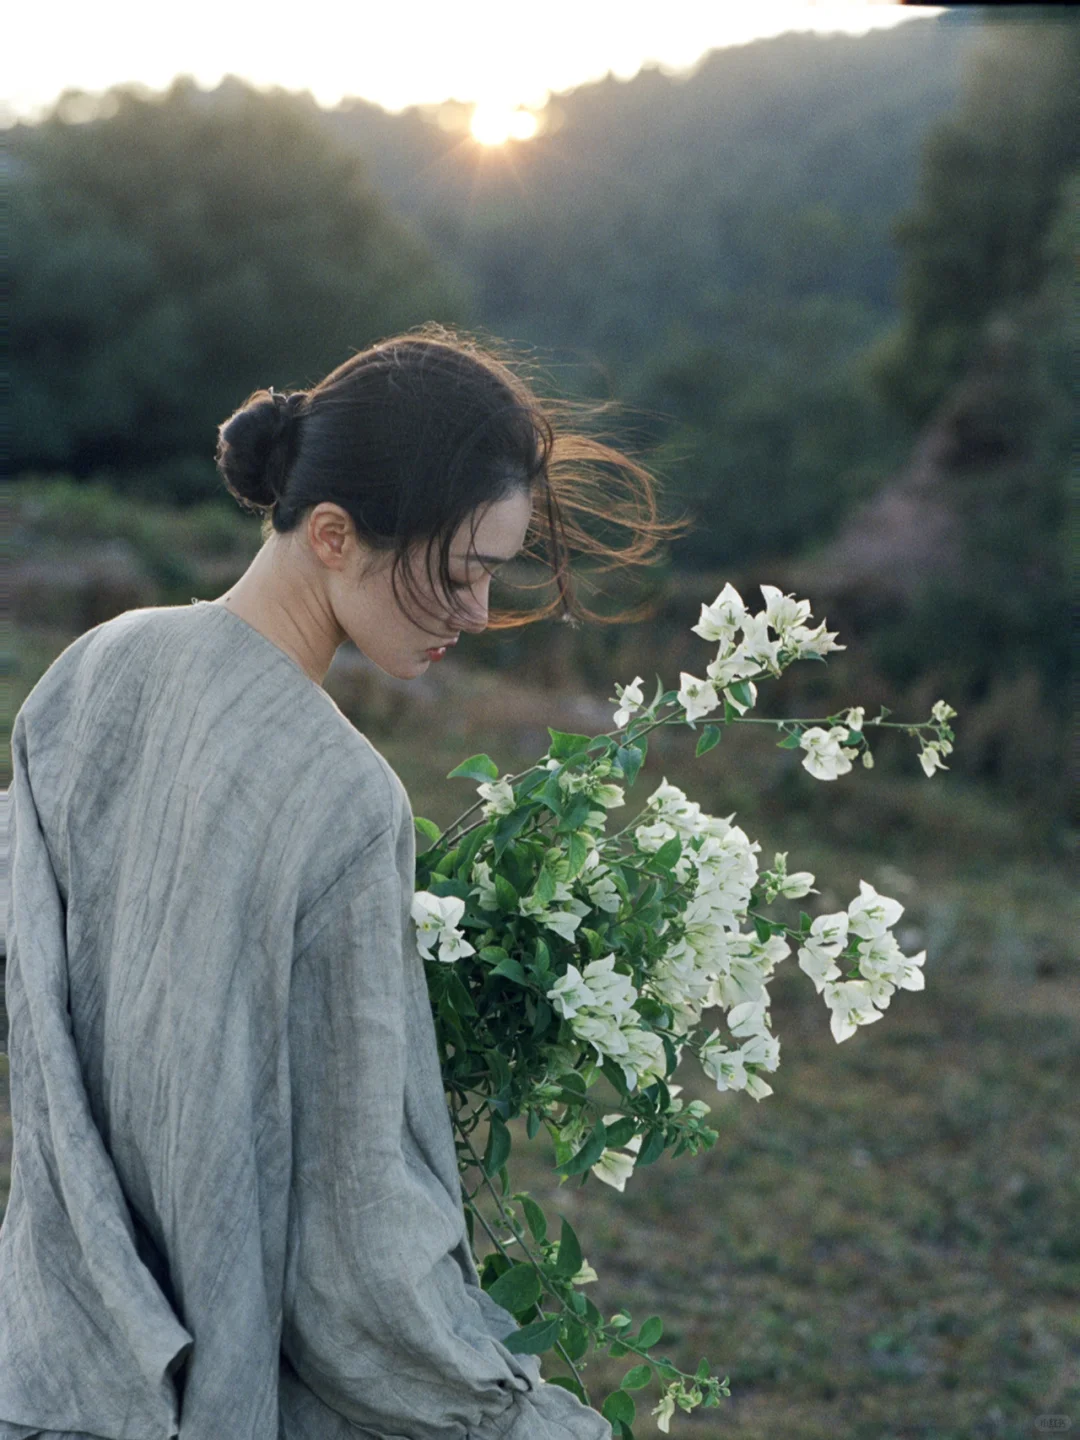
417	432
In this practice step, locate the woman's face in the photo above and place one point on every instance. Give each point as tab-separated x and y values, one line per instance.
379	626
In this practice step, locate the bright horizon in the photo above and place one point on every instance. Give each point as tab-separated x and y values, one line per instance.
423	54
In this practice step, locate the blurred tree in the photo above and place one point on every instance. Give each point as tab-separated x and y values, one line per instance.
175	253
990	182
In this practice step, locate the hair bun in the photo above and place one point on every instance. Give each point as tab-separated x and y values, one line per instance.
256	446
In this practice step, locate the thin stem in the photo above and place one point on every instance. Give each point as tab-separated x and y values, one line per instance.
525	1251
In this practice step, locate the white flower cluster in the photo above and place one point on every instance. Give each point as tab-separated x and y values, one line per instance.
738	661
436	919
882	965
599	1004
713	963
931	756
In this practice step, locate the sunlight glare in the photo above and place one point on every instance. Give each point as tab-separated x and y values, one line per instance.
495	124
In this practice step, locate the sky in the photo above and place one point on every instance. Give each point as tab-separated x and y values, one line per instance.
498	54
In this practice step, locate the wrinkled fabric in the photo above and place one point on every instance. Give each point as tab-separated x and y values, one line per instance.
235	1208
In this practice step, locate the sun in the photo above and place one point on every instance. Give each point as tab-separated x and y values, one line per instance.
493	124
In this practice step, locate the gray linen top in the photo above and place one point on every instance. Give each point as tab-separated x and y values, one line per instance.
235	1208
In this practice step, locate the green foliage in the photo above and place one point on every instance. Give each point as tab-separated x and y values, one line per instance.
177	253
989	188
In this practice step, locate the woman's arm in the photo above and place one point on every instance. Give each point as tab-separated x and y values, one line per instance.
380	1322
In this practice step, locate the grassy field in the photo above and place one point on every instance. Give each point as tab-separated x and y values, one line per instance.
888	1247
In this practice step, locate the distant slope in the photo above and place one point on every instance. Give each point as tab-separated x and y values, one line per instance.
777	165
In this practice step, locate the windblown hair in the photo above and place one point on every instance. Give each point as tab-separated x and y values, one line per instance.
415	434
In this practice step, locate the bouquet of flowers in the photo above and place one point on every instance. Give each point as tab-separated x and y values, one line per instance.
559	952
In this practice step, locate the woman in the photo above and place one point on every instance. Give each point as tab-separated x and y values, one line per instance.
235	1209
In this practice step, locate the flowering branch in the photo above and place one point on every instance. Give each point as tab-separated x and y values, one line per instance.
560	953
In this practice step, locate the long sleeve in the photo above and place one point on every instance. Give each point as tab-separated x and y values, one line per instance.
385	1332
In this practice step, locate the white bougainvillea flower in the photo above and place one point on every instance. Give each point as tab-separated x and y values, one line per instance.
645	1060
436	917
757	647
930	758
484	887
801	641
650	838
433	913
616	1166
784	612
608	795
825	757
882	959
794	886
855	718
751	1018
631	700
697	697
602	1031
723	1065
726	669
871	914
942	712
665	1410
723	617
452	946
825	940
614	991
499	795
851	1006
570	993
585	1276
565	922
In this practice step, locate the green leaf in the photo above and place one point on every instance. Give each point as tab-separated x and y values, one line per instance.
477	767
518	1289
577	854
790	742
569	1259
511	969
506	895
535	1217
492	954
629	758
498	1147
508	827
652	1149
573	1080
427	828
619	1406
589	1153
447	864
637	1378
710	736
534	1338
702	1372
545	887
741	692
621	1131
805	923
564	745
669	852
763	928
532	1124
650	1332
552	796
575	1339
542	1018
